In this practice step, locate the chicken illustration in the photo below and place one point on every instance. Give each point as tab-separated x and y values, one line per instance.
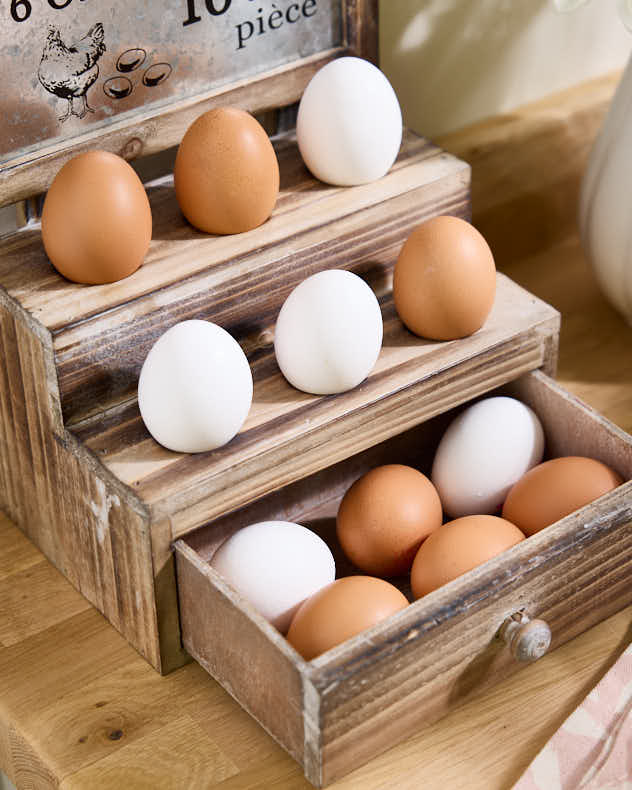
68	71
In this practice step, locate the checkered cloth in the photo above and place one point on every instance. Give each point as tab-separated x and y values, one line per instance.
592	750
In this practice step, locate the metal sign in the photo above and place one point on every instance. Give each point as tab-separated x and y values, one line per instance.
70	66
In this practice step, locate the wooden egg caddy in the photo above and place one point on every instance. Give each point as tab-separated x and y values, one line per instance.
107	505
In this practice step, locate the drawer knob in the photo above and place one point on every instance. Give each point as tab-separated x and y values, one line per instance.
527	639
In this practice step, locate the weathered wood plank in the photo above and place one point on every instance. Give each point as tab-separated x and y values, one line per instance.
241	650
90	526
366	694
103	333
244	281
289	434
361	28
179	251
117	547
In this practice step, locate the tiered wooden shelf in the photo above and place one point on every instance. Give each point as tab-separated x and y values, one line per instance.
100	496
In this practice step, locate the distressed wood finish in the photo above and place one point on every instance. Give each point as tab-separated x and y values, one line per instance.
151	131
122	499
289	434
365	695
88	524
102	334
361	19
80	709
255	665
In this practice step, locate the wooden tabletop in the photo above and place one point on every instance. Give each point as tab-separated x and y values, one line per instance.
80	709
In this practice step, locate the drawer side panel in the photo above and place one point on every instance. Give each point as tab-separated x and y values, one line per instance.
241	650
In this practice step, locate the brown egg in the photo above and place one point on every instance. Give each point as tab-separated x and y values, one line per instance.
96	221
553	489
341	610
444	281
226	173
384	516
457	547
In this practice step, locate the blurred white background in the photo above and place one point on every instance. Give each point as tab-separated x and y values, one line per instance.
453	62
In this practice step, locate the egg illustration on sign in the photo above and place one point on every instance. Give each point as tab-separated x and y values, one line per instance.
130	60
121	86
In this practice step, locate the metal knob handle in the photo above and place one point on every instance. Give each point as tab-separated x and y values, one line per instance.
527	639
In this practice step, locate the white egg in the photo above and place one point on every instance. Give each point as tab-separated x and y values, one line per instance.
275	565
349	124
195	387
328	334
484	451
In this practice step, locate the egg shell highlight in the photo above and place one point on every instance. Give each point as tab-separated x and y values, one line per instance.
556	488
349	123
485	450
275	565
195	387
457	547
341	610
328	333
384	516
444	281
96	220
226	174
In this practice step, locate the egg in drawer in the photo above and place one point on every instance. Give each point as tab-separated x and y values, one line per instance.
339	709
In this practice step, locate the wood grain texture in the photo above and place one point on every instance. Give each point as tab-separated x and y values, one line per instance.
85	659
89	526
362	697
102	335
241	650
125	497
289	434
361	28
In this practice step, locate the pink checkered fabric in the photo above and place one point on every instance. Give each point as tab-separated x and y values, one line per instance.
592	750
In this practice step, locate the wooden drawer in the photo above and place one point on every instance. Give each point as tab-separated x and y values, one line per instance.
337	711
